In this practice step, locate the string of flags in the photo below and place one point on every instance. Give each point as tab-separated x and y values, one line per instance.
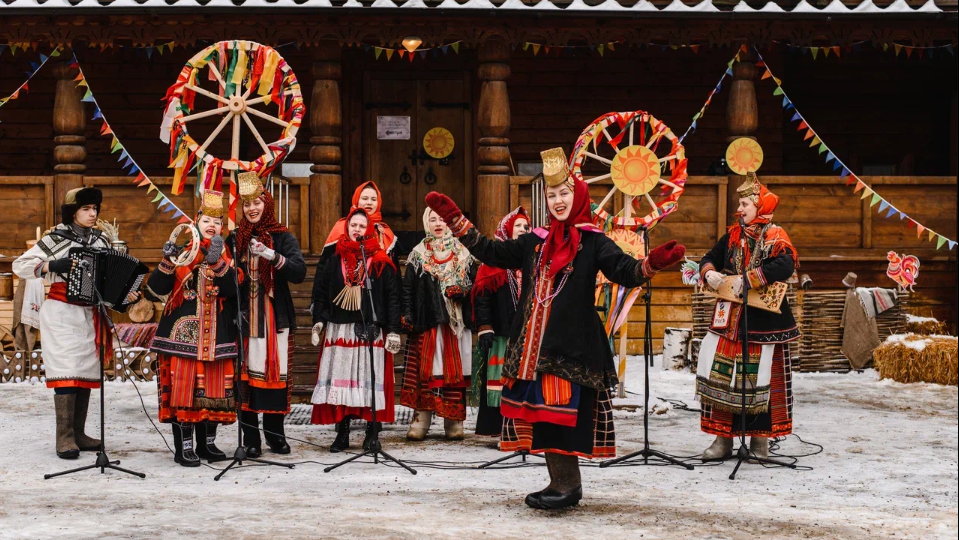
388	53
897	48
713	92
129	165
884	206
35	67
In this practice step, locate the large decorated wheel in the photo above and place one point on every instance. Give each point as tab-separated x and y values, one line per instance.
246	78
644	161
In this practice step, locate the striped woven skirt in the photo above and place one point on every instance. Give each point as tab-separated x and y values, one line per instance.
191	391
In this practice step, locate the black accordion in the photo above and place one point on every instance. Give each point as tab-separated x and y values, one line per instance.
111	273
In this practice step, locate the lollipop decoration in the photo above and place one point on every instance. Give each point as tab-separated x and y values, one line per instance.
637	150
239	69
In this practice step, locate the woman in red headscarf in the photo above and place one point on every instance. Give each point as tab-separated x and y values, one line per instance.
342	390
271	259
559	367
495	299
769	257
366	197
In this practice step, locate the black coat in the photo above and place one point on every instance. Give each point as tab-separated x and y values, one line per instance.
764	326
386	298
423	302
575	346
178	332
292	269
495	311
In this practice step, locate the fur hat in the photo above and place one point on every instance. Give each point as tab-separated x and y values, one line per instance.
77	198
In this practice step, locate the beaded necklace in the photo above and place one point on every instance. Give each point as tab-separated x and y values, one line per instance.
545	302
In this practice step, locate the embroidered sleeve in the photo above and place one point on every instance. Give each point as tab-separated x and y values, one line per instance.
706	268
30	264
646	271
461	227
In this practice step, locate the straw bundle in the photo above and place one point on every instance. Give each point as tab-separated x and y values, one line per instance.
925	326
909	358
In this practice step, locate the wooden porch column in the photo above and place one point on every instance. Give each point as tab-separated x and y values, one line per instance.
742	118
326	124
69	124
492	182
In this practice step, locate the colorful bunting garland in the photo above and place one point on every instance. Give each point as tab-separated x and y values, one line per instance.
713	92
385	52
25	88
129	165
837	50
845	173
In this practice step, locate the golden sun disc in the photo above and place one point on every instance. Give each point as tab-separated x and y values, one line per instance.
635	170
744	156
438	143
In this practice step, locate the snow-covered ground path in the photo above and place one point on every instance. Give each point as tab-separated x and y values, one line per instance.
889	469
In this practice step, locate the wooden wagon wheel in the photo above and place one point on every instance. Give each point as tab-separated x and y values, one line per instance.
634	150
239	70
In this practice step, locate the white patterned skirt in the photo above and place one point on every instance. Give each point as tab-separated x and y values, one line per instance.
344	375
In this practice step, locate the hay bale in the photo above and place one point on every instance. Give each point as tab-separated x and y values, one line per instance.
909	358
924	326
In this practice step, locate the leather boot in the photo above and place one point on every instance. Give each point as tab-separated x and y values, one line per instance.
183	444
454	429
420	426
342	440
206	443
567	484
84	443
722	448
372	429
532	500
759	447
66	444
273	431
250	423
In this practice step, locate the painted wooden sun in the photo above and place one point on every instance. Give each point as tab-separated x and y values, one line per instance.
438	143
744	156
635	170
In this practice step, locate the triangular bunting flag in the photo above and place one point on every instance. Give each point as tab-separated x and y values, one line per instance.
837	165
402	53
809	134
865	193
883	205
875	199
152	187
159	197
123	155
932	234
836	50
456	47
909	55
795	117
815	141
184	219
377	51
600	48
902	215
536	47
802	125
145	182
826	51
766	75
778	91
892	210
859	186
822	148
389	54
815	51
611	46
952	244
898	48
919	229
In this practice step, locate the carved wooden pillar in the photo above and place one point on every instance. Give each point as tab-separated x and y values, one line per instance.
742	117
492	199
326	124
69	124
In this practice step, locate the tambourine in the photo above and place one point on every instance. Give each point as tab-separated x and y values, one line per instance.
186	257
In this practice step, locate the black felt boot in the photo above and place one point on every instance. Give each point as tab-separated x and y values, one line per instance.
566	488
342	440
372	429
206	443
273	431
250	422
183	445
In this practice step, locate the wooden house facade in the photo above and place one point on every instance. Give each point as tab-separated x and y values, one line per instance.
508	79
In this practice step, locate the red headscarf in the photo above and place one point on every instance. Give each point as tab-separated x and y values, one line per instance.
489	278
766	205
349	251
261	230
558	251
387	238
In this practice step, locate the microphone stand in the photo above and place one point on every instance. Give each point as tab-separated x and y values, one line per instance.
239	455
368	334
646	453
103	461
744	453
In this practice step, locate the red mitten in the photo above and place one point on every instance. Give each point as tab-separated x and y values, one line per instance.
666	255
444	206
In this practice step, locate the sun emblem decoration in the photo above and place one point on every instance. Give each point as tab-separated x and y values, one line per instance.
744	156
635	170
438	143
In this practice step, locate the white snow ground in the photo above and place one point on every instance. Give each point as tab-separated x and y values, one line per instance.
889	469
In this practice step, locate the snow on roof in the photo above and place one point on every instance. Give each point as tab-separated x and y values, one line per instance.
836	7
